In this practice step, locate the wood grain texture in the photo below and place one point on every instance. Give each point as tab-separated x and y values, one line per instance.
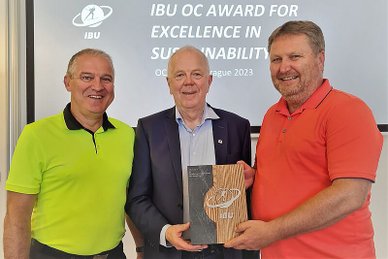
225	202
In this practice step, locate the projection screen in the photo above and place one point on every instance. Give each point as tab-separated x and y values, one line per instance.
141	35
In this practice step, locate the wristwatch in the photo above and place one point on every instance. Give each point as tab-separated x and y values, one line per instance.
140	249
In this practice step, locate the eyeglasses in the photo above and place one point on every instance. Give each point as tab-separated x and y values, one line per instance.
182	76
87	78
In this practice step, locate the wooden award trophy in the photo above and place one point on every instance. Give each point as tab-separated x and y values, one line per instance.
217	202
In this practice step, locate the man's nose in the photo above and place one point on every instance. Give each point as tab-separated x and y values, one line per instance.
188	80
285	66
97	83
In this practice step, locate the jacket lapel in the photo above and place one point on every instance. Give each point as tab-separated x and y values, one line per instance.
220	133
174	145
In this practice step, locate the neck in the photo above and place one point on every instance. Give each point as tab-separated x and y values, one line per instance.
296	101
293	105
92	123
192	117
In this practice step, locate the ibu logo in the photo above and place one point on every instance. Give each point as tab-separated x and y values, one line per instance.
92	16
92	35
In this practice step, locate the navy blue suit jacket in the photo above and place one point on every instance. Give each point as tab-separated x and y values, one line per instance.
155	188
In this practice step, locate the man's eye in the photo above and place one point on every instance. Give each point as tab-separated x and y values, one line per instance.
106	79
197	75
275	60
179	76
86	78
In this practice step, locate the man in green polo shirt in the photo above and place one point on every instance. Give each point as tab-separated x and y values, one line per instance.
69	173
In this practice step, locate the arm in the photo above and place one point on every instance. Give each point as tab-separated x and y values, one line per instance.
139	206
249	174
247	149
324	209
137	236
17	225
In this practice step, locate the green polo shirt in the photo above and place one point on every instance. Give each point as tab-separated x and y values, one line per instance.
80	179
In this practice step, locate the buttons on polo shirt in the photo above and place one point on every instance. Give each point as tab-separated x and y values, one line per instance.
284	130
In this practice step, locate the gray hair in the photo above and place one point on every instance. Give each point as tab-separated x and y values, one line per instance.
71	67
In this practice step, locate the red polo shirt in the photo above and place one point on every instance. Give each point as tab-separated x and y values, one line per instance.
332	135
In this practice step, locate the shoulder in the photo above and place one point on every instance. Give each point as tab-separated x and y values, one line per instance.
118	123
41	132
341	95
46	124
346	102
121	125
230	116
346	112
157	117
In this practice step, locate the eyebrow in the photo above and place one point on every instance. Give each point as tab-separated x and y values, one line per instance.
89	73
194	70
86	73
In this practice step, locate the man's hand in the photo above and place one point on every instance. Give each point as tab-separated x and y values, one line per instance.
249	174
174	237
255	234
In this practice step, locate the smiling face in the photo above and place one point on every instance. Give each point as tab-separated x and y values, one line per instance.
91	87
296	70
189	80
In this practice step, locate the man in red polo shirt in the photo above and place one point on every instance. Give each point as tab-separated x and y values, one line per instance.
316	159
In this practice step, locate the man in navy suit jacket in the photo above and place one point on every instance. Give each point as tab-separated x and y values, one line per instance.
191	133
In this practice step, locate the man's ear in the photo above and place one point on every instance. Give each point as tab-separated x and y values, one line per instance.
322	60
66	82
209	81
168	84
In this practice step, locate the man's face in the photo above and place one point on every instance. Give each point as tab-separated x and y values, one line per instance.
295	70
91	86
189	80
